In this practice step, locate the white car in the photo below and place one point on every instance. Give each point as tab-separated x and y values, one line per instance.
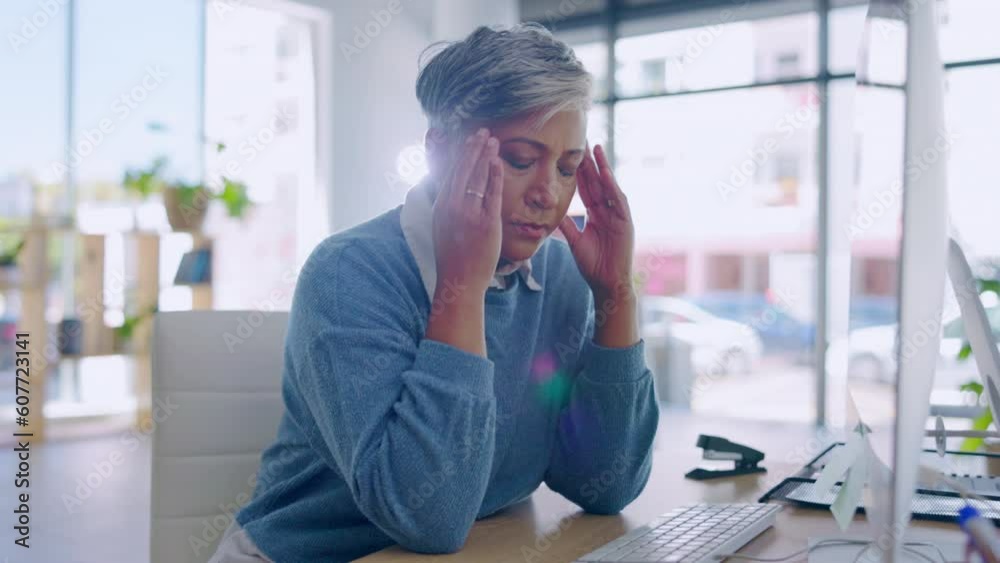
871	354
717	345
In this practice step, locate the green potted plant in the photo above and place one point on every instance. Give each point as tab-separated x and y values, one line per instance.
187	204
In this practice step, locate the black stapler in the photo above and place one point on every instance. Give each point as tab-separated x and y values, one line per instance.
721	449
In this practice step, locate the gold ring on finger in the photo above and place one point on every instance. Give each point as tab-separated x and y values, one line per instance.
475	193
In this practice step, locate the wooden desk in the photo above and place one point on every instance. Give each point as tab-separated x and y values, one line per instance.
546	528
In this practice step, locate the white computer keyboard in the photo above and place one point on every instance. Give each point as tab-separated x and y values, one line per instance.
690	534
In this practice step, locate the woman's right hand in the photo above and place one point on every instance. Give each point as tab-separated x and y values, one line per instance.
467	226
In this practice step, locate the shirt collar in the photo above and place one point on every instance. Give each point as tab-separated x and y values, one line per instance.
416	220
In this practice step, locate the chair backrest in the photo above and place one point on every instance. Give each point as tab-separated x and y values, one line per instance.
216	405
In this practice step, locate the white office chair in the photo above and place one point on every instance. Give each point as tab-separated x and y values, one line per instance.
224	376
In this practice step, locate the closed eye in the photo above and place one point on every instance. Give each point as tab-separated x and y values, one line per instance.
520	165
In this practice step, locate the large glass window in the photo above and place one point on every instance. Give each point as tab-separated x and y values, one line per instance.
725	207
33	110
34	105
973	140
594	57
968	29
721	54
96	88
260	103
725	191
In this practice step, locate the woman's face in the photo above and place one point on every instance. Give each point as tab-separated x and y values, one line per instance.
539	178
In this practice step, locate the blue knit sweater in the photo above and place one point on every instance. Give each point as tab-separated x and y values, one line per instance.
391	438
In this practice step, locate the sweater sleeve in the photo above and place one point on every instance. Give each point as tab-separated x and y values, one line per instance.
407	421
604	438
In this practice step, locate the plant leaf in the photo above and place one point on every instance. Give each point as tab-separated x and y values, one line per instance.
965	352
974	386
148	181
989	285
234	196
982	422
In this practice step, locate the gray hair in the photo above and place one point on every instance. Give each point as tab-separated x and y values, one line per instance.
500	73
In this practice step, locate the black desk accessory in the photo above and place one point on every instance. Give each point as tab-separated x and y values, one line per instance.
717	448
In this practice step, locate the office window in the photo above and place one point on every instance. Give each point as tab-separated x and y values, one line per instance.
148	98
724	53
260	102
847	27
876	41
973	120
137	93
33	59
553	12
747	240
594	57
969	29
669	167
34	106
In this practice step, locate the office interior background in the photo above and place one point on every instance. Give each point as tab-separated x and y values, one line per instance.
738	129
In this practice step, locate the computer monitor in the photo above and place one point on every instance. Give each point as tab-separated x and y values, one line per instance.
900	74
926	254
923	259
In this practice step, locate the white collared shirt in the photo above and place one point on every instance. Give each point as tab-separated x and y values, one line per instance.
416	219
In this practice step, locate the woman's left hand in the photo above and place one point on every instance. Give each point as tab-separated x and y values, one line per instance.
603	250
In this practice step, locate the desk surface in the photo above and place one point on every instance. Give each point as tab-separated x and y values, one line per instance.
546	528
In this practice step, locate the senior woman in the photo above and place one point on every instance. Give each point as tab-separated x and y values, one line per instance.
447	357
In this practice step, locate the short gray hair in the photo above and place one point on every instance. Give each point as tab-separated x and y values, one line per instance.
499	73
